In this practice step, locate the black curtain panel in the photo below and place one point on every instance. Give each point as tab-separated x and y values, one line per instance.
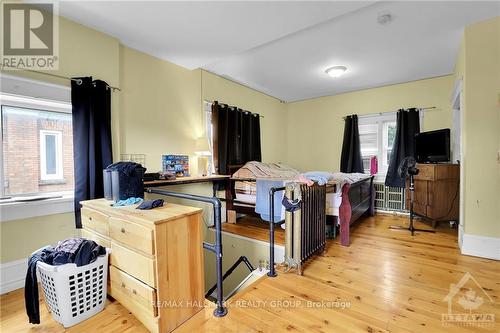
407	126
251	150
91	110
236	137
351	160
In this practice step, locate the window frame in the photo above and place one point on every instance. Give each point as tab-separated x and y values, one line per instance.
27	102
44	176
22	92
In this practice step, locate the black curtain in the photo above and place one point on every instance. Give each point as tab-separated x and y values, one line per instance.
351	160
236	136
91	104
407	126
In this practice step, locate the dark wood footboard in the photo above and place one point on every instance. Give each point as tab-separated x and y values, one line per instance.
357	199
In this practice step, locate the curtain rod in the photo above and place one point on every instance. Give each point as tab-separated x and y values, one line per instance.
78	81
211	102
382	113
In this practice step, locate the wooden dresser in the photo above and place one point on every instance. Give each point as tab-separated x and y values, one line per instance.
437	192
156	261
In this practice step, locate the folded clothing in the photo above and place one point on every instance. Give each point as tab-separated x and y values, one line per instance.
86	253
321	177
262	199
126	202
150	204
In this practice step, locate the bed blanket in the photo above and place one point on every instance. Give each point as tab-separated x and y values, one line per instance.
254	170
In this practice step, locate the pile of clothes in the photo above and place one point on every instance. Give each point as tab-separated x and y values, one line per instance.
79	251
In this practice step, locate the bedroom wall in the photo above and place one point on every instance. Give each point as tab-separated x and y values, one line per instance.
479	67
161	108
315	126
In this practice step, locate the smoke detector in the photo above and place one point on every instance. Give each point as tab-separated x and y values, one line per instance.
384	19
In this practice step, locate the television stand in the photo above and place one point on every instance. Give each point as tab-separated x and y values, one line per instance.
437	192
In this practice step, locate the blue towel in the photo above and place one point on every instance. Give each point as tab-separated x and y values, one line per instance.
321	177
262	200
126	202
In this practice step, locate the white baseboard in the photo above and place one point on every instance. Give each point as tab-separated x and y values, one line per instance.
481	246
12	275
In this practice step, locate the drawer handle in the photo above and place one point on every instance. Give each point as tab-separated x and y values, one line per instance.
123	284
123	230
90	218
134	291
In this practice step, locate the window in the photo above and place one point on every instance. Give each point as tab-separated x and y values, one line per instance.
37	146
376	134
51	163
207	108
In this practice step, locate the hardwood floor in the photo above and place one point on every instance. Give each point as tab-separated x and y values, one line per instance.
392	281
254	228
114	318
386	281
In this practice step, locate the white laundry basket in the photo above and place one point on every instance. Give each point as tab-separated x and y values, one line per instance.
73	293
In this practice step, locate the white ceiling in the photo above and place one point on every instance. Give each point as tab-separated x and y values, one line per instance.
282	48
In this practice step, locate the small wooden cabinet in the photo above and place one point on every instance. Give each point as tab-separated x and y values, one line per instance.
156	261
437	192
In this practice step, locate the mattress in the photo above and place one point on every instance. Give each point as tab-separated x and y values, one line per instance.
333	199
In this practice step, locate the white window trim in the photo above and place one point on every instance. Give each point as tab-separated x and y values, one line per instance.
381	119
17	210
43	155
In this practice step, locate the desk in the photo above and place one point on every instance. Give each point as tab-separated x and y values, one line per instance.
215	179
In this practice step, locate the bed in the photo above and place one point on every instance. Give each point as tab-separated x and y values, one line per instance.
348	197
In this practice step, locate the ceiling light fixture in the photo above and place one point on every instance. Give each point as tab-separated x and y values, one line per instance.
336	71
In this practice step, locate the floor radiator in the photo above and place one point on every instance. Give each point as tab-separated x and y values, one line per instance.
305	228
389	198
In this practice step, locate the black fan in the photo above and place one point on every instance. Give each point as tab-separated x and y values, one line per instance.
408	168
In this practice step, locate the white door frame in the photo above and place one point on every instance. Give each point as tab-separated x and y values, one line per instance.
456	103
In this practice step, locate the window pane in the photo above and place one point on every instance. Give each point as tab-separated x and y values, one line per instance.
50	154
368	138
22	155
391	134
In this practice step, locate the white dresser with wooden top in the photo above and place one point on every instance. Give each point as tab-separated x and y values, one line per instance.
156	260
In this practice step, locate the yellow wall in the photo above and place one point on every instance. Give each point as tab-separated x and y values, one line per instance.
479	66
21	237
161	108
316	128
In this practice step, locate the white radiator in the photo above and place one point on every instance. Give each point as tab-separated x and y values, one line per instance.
389	198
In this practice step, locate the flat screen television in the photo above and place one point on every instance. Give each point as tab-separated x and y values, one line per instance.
433	146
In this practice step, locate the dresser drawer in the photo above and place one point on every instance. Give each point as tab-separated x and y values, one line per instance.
138	292
95	221
426	172
133	263
135	296
103	241
132	235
